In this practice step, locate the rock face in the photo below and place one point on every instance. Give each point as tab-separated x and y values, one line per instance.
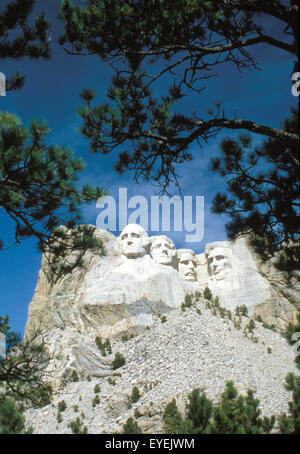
191	349
141	278
235	274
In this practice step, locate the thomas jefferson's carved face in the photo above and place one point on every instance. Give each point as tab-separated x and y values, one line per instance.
187	267
218	263
162	251
133	241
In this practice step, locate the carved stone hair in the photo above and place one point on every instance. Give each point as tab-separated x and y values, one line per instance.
154	238
218	244
181	252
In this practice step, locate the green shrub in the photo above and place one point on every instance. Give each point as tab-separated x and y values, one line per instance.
107	346
61	406
288	334
229	314
131	427
74	376
207	294
135	395
216	302
104	347
97	389
290	424
241	310
222	312
163	319
88	378
59	418
75	408
119	361
250	326
188	301
12	420
96	401
111	381
77	427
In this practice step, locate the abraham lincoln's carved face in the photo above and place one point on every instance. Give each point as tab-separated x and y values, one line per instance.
218	263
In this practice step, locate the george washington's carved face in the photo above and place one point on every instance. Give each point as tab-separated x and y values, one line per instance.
133	241
162	250
187	266
218	263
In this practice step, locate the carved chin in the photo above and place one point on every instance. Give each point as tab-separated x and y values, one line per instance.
164	260
132	253
219	276
190	278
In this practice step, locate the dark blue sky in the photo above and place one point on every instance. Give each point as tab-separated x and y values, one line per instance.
52	92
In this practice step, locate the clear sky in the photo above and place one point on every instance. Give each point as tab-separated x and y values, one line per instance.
52	92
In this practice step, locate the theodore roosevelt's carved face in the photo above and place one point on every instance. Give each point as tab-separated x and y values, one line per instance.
133	241
187	266
162	250
218	263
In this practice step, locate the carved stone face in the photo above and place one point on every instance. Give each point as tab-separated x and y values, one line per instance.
218	263
162	251
133	241
187	267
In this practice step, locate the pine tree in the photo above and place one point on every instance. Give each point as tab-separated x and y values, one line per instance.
207	294
135	394
263	195
199	412
291	423
289	333
237	414
173	421
19	39
12	420
38	189
131	427
21	378
179	42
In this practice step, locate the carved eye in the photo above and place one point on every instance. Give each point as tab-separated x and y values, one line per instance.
135	235
220	257
123	237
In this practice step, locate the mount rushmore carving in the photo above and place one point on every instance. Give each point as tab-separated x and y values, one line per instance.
143	276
